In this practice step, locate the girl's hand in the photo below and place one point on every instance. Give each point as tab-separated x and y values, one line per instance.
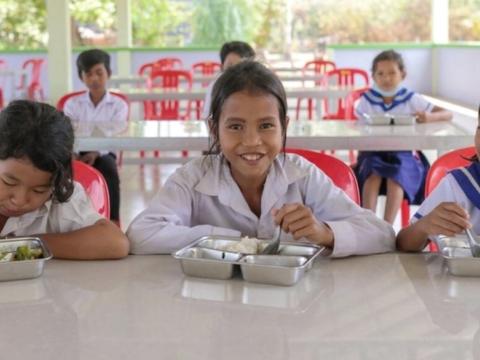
298	220
448	219
422	116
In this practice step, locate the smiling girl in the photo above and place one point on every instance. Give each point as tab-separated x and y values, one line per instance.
247	185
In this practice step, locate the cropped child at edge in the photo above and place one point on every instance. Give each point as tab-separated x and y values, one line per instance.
452	207
37	193
397	174
247	185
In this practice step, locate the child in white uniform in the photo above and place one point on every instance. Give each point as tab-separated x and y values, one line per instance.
247	185
398	174
453	206
37	193
98	108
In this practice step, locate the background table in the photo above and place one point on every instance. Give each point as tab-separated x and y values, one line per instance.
317	135
391	306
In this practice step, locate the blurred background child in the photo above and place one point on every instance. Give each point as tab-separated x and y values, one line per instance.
99	108
398	174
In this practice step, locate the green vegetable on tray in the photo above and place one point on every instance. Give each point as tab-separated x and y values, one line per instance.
23	252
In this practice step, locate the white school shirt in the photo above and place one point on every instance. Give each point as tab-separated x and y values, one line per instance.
52	217
407	103
448	190
201	198
110	115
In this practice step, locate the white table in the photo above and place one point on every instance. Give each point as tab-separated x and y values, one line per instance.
138	80
318	135
391	306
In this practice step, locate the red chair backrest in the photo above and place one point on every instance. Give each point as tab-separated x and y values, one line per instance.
94	185
340	173
145	69
172	80
61	102
34	78
168	63
449	161
319	67
348	111
207	67
343	77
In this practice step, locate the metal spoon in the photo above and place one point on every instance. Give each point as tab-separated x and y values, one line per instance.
272	247
472	241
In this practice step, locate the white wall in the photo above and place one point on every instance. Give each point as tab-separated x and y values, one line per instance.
459	75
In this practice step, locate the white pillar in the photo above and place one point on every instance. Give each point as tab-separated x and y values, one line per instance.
124	36
439	36
59	49
439	21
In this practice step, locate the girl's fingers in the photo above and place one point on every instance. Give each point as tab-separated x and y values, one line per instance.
455	208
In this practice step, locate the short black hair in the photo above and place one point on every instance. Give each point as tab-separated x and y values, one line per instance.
250	76
39	132
89	58
389	55
240	48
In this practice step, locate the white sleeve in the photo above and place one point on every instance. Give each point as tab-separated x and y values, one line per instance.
361	108
69	109
78	212
419	103
118	119
444	192
357	231
165	226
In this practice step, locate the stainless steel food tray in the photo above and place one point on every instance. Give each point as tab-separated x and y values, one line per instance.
458	257
22	269
206	258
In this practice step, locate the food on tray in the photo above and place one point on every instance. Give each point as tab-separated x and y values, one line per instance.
245	246
23	252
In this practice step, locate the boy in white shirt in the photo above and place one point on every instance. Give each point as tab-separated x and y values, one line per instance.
99	108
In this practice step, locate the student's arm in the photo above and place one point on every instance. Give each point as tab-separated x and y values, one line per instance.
441	213
102	240
437	114
118	119
448	218
356	231
166	224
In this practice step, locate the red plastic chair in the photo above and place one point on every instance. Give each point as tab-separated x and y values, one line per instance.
318	67
440	167
343	77
204	68
169	63
168	80
94	185
33	89
61	104
340	173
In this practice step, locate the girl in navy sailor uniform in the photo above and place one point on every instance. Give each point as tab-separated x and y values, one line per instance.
451	207
398	174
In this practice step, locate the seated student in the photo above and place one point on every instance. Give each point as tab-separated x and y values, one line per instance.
247	185
231	54
397	174
452	207
37	193
98	108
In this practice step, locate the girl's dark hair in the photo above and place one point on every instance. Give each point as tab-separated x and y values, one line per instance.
240	48
388	55
42	134
250	76
89	58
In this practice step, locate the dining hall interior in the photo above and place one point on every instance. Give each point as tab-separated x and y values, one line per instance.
186	288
